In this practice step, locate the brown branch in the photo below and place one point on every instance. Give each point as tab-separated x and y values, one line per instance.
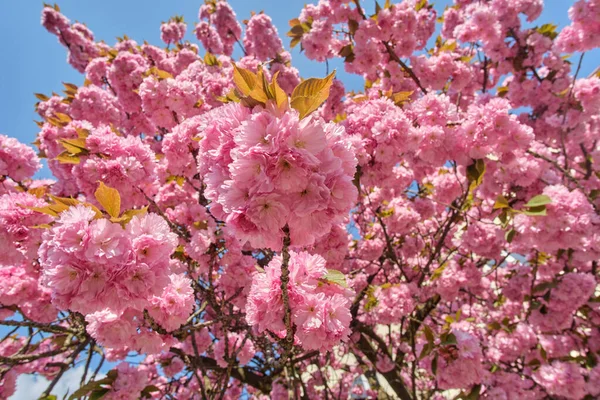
242	374
393	377
285	279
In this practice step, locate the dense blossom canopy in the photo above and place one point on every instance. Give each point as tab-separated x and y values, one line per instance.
222	228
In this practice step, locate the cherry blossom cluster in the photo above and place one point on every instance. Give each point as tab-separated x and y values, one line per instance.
265	171
320	310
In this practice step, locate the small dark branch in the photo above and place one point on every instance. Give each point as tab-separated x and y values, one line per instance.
485	73
107	83
87	364
43	327
238	42
100	364
588	161
575	78
405	67
153	324
393	377
64	367
531	287
242	374
535	73
26	358
197	354
285	279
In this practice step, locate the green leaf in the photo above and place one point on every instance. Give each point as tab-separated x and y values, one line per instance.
428	334
91	386
493	326
335	276
352	26
427	349
510	235
110	199
475	172
98	394
347	52
434	364
544	286
548	30
310	94
539	200
536	211
357	175
474	394
148	390
448	339
437	273
370	299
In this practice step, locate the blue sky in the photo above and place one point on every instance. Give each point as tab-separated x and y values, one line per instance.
34	61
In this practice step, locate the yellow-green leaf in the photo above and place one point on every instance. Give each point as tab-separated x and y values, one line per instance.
501	202
66	158
64	118
280	97
335	276
502	91
41	97
129	214
250	85
42	226
67	201
310	94
52	209
539	200
210	59
400	98
244	80
420	5
74	146
109	198
159	73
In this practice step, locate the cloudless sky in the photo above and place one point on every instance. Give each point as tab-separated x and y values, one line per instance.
34	62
